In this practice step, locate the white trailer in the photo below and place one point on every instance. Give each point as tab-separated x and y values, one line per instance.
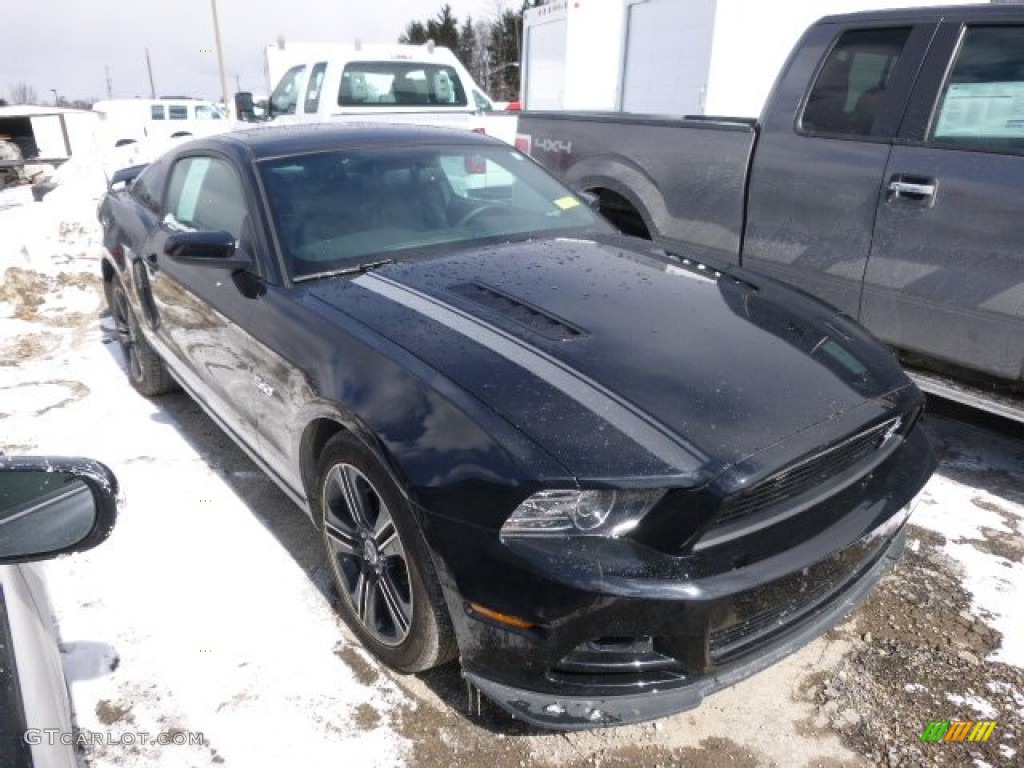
669	57
48	134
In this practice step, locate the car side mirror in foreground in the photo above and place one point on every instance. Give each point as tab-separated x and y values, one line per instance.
53	506
210	249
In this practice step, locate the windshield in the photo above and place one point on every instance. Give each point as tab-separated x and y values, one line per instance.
337	210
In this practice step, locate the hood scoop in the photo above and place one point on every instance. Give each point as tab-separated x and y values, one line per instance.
502	306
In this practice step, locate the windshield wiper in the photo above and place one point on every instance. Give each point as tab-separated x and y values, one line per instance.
353	270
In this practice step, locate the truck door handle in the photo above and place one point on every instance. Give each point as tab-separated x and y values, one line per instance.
912	189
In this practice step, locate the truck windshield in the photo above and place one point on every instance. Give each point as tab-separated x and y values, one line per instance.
339	209
386	83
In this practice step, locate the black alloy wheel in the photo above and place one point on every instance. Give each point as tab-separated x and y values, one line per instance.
390	595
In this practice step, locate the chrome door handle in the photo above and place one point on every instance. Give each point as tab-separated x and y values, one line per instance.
900	188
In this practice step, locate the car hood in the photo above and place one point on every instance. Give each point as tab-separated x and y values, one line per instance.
621	361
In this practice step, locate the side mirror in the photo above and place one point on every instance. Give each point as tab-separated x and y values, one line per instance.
244	106
126	175
53	506
209	249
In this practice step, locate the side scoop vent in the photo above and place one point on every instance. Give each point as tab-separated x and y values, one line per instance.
525	315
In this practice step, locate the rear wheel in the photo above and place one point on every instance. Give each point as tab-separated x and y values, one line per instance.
390	595
146	371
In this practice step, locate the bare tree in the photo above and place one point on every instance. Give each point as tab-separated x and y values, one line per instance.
23	93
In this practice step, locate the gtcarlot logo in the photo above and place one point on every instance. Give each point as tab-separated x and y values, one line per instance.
958	730
53	736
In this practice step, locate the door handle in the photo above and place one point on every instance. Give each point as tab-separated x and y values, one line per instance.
918	190
151	262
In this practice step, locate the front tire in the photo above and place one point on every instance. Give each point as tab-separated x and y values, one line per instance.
146	371
390	594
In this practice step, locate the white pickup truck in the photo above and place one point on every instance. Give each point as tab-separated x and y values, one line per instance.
422	84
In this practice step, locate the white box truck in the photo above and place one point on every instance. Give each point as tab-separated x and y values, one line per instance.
668	57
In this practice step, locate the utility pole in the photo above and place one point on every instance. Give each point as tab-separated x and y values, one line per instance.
149	68
110	83
228	106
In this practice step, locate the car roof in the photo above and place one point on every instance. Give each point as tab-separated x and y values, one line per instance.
276	141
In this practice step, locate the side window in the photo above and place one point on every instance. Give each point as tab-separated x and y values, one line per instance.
146	187
205	193
157	112
848	94
207	112
316	80
982	105
286	95
178	112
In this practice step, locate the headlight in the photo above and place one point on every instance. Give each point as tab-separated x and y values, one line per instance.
590	513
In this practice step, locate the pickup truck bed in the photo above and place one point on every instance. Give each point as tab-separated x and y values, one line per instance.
683	180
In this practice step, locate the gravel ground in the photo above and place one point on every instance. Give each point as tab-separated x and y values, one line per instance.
932	643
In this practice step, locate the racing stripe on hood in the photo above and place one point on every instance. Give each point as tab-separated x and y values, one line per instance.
650	434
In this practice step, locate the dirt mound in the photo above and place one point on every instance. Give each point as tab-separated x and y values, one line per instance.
919	656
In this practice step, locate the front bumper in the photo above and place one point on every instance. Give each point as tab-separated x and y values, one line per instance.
619	631
567	712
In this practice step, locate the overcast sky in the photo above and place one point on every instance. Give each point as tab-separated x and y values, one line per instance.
65	44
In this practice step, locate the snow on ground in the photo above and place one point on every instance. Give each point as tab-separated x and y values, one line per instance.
967	516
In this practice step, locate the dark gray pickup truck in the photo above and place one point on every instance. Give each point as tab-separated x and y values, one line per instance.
886	176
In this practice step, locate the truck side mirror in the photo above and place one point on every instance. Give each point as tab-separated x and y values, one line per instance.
244	107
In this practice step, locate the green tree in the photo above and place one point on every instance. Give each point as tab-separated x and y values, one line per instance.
504	49
415	34
443	29
467	48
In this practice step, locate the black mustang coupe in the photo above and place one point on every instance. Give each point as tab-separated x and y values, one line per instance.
609	478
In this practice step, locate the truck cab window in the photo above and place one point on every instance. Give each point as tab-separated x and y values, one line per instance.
982	105
286	95
316	81
373	83
849	91
156	112
178	112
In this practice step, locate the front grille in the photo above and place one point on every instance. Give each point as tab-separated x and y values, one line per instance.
806	475
762	613
726	642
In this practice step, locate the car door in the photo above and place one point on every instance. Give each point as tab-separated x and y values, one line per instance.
814	185
13	749
33	692
945	278
198	311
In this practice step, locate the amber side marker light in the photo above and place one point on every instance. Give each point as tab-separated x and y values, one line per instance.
501	618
